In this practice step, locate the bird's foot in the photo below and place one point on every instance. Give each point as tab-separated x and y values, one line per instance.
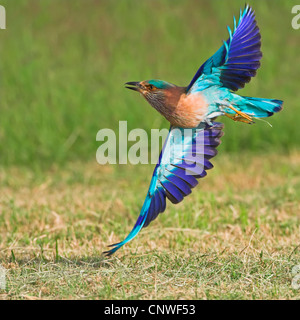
239	116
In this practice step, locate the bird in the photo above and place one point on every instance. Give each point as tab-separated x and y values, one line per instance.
210	94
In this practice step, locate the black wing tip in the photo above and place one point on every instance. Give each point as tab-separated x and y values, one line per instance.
106	254
110	252
114	245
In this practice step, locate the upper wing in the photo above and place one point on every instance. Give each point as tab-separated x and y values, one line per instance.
237	60
184	158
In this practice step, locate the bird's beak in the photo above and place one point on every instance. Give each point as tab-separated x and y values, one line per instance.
133	85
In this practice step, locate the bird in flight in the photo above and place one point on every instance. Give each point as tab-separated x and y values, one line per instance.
210	94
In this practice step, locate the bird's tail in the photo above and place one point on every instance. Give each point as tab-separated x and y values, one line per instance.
259	107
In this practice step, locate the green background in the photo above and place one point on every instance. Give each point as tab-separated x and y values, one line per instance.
64	65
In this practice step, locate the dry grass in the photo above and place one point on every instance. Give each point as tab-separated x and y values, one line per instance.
237	236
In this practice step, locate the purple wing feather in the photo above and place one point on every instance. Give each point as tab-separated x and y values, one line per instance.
176	178
238	59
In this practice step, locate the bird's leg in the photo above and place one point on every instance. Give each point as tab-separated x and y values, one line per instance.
239	116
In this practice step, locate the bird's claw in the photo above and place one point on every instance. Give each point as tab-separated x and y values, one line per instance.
239	116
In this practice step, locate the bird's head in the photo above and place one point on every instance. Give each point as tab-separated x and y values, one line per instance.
155	91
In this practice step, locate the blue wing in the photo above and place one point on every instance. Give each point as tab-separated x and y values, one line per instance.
237	60
185	157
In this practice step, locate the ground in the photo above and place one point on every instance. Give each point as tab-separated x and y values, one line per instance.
236	237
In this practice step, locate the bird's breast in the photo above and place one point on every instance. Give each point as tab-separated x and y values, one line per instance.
189	111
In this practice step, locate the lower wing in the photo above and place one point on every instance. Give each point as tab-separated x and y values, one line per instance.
185	157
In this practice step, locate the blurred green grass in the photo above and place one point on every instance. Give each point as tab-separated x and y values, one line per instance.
64	63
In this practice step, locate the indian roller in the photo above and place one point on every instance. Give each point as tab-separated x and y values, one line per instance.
210	94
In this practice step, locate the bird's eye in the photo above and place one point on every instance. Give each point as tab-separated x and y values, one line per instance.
150	87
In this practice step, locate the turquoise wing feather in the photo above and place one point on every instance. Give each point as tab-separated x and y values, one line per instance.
236	61
185	158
